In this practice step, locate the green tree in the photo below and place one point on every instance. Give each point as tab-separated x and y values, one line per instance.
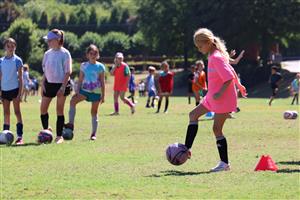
43	22
22	30
62	20
90	38
93	19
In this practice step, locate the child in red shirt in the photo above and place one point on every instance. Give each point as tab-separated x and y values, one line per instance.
165	85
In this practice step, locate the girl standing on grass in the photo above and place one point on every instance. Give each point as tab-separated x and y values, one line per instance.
121	72
165	85
11	86
90	87
221	97
57	67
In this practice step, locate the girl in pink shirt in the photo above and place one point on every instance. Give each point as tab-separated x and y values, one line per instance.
121	72
221	97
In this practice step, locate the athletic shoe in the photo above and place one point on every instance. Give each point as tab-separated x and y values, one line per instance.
132	109
19	141
59	140
189	154
93	136
221	166
114	114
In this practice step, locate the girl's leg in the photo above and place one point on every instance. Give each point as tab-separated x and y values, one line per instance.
193	124
116	102
152	102
159	103
94	113
72	111
44	111
16	104
6	110
127	101
60	120
148	102
167	104
219	120
297	99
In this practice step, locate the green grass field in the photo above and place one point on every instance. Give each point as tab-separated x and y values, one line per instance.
128	158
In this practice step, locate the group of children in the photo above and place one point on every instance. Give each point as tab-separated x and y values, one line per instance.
220	98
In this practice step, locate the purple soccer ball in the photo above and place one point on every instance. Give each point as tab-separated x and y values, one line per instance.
177	153
45	136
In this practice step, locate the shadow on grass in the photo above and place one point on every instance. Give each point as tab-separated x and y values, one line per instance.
288	162
177	173
20	145
288	171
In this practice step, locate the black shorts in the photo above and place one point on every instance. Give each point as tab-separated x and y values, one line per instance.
51	89
10	94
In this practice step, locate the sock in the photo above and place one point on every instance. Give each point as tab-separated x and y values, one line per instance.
167	104
222	148
45	119
159	104
116	107
6	127
60	121
152	103
94	124
19	129
148	101
197	103
191	134
130	104
189	99
72	113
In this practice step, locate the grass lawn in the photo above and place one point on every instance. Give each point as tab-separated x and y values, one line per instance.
128	158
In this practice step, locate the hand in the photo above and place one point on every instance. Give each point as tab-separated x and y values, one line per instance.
60	92
217	96
241	54
243	91
232	53
102	99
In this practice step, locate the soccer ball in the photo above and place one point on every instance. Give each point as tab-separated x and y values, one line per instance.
290	114
177	153
6	137
45	136
67	134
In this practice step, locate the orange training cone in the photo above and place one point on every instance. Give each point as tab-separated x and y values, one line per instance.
266	163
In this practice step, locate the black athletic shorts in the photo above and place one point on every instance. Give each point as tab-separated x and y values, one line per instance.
10	94
51	89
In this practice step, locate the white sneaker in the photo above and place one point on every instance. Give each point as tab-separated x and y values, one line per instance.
221	166
133	109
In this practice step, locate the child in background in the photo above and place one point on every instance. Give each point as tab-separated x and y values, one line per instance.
221	97
27	83
142	87
150	85
57	68
190	82
131	85
275	79
199	84
122	74
11	78
165	85
90	87
295	89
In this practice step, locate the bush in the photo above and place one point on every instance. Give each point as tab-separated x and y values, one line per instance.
114	42
90	38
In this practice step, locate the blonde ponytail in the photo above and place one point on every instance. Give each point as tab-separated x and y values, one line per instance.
220	45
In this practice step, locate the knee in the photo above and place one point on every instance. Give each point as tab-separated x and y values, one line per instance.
217	130
192	116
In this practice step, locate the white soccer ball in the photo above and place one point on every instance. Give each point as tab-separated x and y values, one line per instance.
6	137
289	114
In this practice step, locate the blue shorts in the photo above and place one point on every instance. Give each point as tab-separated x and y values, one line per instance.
90	97
151	93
